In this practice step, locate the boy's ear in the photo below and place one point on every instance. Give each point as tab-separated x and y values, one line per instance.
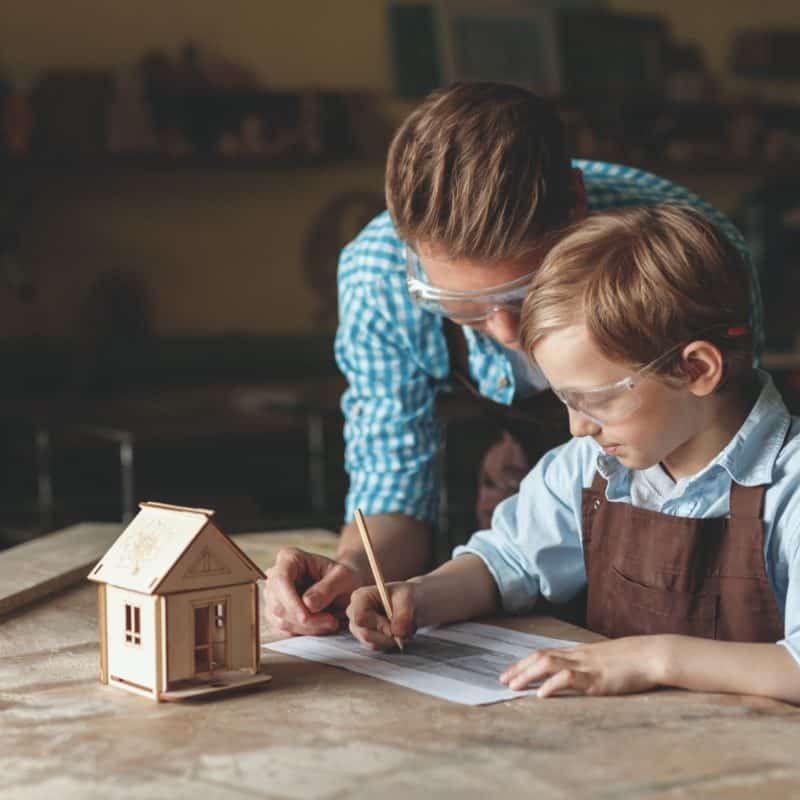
704	366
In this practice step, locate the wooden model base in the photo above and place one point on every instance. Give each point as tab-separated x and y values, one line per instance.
222	682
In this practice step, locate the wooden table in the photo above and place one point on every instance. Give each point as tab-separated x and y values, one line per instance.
320	732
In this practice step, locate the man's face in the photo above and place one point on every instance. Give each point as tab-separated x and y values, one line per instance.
469	275
480	277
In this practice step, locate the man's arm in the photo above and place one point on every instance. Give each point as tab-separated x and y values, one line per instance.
402	546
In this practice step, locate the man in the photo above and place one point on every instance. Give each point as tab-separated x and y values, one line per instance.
478	184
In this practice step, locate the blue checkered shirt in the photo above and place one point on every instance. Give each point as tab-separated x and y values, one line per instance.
395	357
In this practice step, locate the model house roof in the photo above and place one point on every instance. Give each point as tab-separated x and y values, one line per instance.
172	548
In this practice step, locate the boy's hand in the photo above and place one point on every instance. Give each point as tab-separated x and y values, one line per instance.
307	593
368	622
619	666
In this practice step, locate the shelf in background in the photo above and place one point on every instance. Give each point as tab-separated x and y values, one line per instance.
706	167
162	162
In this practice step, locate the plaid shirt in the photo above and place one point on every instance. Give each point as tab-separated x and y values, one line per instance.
395	358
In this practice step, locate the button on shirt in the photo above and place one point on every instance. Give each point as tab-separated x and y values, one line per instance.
534	545
395	358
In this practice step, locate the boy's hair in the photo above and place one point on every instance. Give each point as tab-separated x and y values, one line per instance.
645	280
479	169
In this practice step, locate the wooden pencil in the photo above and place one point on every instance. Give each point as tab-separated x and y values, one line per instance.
376	570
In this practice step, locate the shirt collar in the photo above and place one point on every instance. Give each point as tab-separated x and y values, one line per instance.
749	457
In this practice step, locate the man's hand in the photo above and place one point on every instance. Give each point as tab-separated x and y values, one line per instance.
620	666
307	593
368	622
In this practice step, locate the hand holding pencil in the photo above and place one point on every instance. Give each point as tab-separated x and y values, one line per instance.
376	570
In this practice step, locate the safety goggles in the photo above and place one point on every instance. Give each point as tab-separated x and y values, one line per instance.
614	402
466	306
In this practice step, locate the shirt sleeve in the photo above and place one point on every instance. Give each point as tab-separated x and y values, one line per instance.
534	545
385	351
782	546
791	620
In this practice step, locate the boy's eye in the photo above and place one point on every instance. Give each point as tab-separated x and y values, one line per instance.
605	402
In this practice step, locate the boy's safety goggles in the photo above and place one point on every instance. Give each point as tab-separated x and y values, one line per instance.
616	401
466	306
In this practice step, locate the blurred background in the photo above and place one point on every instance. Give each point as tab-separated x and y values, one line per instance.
177	179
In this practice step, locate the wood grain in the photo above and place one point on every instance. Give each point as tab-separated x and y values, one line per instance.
39	568
320	733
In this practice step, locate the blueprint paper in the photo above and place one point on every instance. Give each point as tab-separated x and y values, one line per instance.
461	663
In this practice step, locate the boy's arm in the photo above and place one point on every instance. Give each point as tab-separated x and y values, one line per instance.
641	663
460	589
534	546
704	665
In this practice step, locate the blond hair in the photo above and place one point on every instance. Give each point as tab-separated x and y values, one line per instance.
479	169
644	280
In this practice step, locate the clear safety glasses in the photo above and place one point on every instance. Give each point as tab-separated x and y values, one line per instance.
614	402
463	307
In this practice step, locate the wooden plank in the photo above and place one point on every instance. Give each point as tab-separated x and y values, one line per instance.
263	547
43	566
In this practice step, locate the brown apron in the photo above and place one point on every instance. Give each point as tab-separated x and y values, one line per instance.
529	428
650	573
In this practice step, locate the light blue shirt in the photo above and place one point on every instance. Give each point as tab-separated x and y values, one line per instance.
394	355
534	545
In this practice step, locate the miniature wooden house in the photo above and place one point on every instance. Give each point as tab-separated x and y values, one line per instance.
178	607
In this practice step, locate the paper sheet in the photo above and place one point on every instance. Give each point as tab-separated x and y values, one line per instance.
461	663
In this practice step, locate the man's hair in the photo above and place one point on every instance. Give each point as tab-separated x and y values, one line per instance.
479	169
645	280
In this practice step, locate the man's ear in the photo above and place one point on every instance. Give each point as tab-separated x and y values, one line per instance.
580	207
704	366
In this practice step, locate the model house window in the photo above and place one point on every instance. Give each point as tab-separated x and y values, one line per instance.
219	615
133	624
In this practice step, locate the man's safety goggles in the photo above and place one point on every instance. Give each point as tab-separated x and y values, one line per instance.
614	402
466	306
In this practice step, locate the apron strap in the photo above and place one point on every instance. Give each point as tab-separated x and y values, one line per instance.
599	483
458	352
746	502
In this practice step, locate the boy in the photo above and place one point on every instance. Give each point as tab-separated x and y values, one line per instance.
675	507
476	178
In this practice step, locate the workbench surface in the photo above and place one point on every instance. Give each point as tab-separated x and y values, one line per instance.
321	732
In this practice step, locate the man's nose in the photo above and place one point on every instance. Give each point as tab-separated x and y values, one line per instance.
503	325
581	425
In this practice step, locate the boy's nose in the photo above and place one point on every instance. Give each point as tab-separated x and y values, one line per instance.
580	425
503	325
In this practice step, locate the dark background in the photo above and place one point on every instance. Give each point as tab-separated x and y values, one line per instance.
176	181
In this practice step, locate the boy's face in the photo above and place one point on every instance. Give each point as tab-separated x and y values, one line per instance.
664	421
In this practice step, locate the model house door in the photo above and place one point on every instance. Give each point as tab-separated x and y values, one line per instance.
210	637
